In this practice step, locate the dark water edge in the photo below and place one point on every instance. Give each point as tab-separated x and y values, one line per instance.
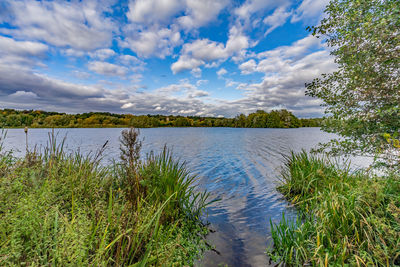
240	166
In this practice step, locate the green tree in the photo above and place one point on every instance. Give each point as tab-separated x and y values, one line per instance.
240	121
362	97
274	120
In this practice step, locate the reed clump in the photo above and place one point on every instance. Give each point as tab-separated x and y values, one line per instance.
346	218
70	210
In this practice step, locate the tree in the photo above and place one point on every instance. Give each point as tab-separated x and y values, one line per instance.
362	97
240	121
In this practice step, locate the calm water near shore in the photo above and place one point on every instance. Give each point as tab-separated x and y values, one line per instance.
239	166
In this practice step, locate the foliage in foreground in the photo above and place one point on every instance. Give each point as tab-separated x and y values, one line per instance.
59	209
346	218
362	97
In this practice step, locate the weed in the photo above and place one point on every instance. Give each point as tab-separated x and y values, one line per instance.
346	218
67	209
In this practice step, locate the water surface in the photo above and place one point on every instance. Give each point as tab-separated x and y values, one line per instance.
239	166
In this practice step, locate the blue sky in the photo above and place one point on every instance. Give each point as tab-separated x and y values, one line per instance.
186	57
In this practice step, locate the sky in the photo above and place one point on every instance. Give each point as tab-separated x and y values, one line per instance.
179	57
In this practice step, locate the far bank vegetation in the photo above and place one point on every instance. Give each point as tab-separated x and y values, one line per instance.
11	118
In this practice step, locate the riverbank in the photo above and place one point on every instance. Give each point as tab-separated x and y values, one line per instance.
67	209
345	218
10	118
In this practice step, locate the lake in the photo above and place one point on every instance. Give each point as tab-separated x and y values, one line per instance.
239	166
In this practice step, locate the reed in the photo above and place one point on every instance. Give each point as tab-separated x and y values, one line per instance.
68	209
345	218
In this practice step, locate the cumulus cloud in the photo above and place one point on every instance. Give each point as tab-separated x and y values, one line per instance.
153	11
131	62
23	95
21	48
155	25
186	62
152	42
106	68
248	66
103	54
79	25
196	13
250	7
200	13
129	59
286	69
23	54
180	98
309	9
297	49
248	13
277	19
222	72
204	51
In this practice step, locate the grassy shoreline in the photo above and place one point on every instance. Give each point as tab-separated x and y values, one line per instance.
345	218
149	127
67	209
260	119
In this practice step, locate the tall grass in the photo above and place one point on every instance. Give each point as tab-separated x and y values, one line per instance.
345	218
67	209
170	179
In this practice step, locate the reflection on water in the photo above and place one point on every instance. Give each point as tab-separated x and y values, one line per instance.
239	166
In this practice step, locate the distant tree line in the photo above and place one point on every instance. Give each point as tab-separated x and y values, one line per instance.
43	119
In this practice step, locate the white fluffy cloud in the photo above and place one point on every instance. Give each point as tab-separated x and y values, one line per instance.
79	25
250	7
22	54
222	72
309	9
297	49
204	51
286	69
23	48
23	95
103	54
276	19
186	62
153	42
153	11
200	13
180	98
155	25
248	66
106	68
196	13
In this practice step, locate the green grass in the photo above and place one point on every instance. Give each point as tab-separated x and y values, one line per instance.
345	218
64	209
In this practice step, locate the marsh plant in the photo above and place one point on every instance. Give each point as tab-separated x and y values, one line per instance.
130	146
67	209
346	218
